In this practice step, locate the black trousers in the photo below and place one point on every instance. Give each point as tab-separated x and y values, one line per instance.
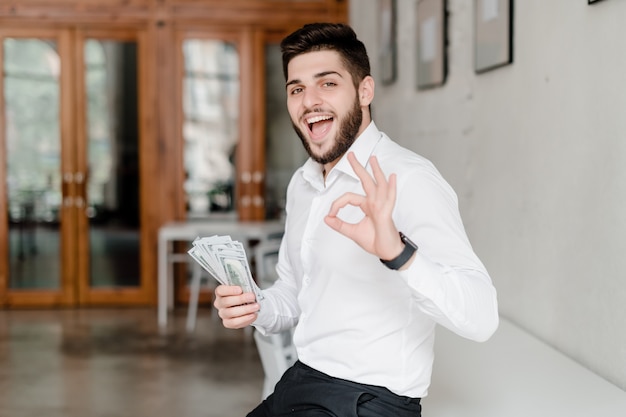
306	392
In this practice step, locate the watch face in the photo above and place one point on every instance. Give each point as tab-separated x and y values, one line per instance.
407	241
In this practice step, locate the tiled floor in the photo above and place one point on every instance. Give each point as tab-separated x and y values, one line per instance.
117	363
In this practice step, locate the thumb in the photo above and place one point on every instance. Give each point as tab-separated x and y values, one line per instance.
333	222
346	229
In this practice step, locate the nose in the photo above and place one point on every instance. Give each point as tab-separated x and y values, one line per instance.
311	98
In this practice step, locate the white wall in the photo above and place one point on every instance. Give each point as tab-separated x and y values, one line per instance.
537	153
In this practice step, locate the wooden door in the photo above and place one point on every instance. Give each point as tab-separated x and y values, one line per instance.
70	224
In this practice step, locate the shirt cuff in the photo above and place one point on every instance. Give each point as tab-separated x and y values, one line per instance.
264	318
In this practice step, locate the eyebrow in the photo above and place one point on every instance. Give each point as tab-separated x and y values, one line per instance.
318	75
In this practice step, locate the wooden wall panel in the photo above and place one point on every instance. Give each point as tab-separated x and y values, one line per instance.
262	13
266	14
74	11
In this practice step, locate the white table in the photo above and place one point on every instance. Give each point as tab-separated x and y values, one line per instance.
187	232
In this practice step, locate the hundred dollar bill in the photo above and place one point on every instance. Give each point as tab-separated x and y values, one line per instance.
237	270
199	256
236	273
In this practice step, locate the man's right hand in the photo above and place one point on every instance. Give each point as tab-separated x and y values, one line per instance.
235	308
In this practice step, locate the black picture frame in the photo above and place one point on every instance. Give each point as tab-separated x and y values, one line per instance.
493	34
387	41
431	41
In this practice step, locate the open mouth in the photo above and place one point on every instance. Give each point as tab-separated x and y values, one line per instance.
319	125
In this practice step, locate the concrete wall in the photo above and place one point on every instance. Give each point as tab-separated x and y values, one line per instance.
537	154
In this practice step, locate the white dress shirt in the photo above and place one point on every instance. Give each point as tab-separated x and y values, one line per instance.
356	319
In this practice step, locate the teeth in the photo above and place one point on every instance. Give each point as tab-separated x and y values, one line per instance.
318	119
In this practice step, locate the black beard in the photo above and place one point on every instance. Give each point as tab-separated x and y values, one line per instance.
350	125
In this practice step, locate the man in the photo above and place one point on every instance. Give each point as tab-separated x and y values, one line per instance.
368	264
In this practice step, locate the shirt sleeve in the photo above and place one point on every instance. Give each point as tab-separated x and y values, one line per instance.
279	308
448	281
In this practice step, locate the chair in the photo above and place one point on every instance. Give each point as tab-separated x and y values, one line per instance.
276	351
277	354
265	256
194	294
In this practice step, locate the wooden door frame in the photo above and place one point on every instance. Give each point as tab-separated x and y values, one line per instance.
250	151
74	287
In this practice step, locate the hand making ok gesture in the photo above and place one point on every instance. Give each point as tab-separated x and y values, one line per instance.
376	232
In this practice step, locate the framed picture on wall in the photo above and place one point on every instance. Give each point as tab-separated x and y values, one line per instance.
387	40
493	40
431	41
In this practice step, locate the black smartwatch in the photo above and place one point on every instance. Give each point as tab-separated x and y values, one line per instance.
408	251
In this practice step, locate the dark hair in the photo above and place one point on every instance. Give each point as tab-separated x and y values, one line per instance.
328	37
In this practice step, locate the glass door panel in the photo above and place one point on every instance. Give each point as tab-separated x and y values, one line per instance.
112	174
31	85
210	124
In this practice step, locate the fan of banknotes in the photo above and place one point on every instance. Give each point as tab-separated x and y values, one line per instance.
225	259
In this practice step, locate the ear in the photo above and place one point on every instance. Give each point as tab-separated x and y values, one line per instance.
366	91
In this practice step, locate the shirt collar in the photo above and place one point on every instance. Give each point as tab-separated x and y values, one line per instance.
363	147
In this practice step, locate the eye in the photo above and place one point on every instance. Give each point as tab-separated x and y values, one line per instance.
329	84
296	90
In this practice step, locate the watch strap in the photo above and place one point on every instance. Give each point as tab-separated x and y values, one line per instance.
408	251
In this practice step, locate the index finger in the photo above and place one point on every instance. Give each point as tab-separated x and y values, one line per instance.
379	175
226	290
361	172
